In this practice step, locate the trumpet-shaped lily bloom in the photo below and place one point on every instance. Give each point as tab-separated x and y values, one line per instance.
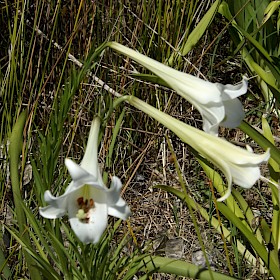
239	165
217	103
87	201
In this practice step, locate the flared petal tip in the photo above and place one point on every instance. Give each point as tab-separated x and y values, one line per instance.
266	155
50	212
121	211
75	170
233	91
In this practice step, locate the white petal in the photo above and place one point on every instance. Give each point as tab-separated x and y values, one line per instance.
226	195
119	210
89	161
245	176
92	231
80	177
51	212
220	152
234	113
59	202
230	92
89	232
208	98
117	207
75	170
212	117
190	87
113	194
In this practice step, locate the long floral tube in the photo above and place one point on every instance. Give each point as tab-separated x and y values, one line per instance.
217	103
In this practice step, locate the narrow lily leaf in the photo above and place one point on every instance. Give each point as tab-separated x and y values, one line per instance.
40	261
268	135
221	229
4	269
16	141
150	78
269	240
275	227
250	217
270	9
114	138
263	65
261	140
198	31
274	168
180	268
260	248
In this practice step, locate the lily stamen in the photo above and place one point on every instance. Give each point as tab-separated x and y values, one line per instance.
84	208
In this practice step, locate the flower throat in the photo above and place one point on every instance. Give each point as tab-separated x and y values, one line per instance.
84	205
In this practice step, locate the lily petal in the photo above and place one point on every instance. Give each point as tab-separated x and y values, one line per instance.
117	207
234	113
59	202
92	231
114	191
51	212
76	171
233	91
120	210
81	177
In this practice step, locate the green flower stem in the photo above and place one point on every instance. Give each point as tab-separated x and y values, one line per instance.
15	149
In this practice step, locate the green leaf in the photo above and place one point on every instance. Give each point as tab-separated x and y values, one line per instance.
214	223
16	142
270	9
199	30
4	269
150	78
268	135
261	140
180	268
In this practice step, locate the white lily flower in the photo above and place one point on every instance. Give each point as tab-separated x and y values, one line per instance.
239	165
217	103
86	200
